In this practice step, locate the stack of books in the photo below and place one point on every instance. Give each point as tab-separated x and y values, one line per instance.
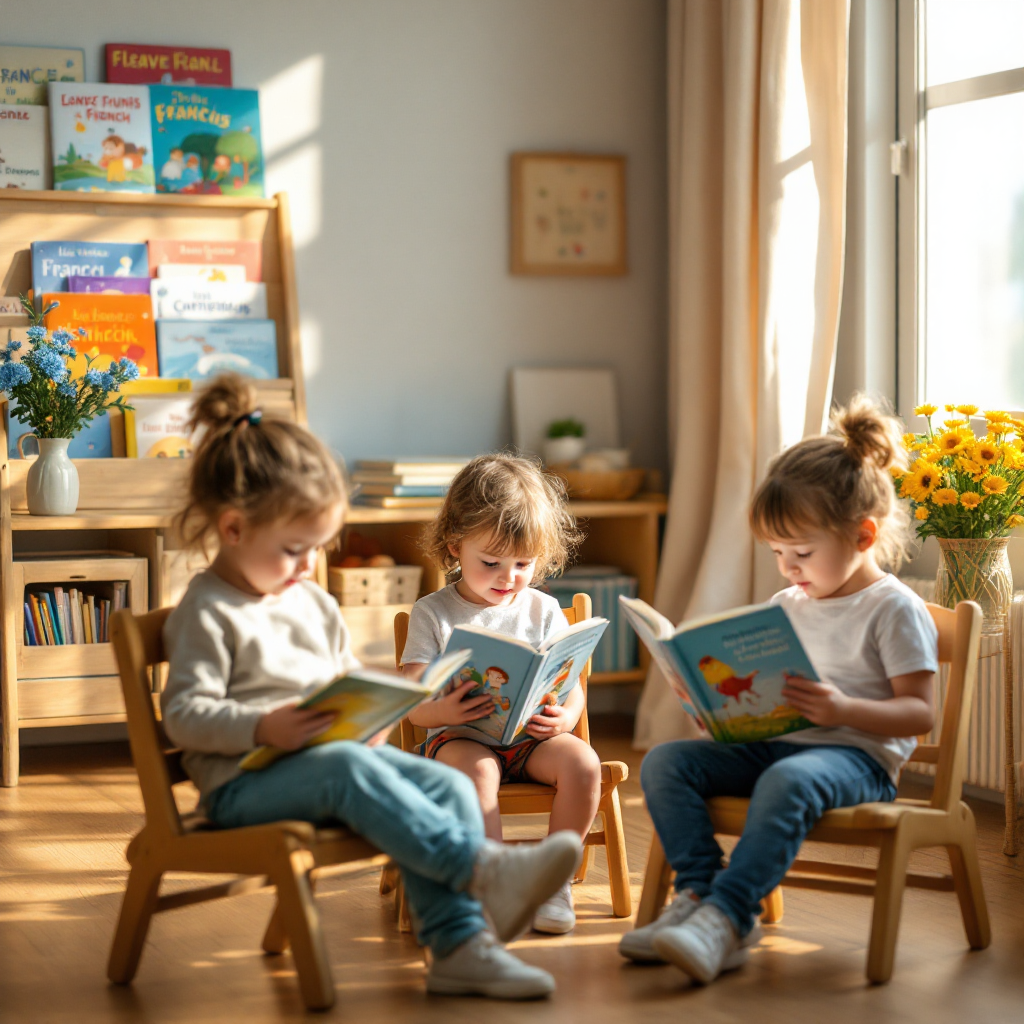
405	483
57	616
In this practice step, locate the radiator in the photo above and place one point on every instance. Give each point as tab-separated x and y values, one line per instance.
986	746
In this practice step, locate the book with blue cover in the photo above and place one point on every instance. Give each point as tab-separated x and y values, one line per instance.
729	669
522	680
200	349
206	140
100	137
93	441
54	262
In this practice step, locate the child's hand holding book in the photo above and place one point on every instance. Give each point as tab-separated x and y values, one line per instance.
454	708
290	727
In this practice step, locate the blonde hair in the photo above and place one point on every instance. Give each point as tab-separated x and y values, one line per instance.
836	481
266	467
522	509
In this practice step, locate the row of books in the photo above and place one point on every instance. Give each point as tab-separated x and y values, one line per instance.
406	483
25	71
58	617
193	140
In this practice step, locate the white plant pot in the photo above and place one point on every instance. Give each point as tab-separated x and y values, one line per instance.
563	449
52	482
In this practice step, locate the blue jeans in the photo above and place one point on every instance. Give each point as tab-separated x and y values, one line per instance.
423	814
790	787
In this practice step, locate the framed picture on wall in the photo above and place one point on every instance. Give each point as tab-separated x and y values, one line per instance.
568	214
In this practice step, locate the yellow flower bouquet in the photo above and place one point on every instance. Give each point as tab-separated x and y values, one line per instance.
968	493
962	486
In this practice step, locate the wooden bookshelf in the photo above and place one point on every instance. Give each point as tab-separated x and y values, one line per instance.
125	505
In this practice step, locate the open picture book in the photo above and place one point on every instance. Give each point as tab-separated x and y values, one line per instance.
729	669
521	680
365	702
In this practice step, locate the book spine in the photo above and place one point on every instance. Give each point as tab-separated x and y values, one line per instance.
76	618
37	618
58	600
87	617
51	604
105	620
30	628
44	611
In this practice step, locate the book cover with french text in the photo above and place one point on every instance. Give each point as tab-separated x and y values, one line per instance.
115	326
54	262
101	137
25	161
157	427
26	71
247	253
207	140
189	298
141	64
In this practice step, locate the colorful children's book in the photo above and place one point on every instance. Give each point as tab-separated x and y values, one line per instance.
25	160
729	669
156	427
54	262
139	64
187	298
101	138
115	326
365	702
224	273
207	140
93	441
108	285
200	349
25	71
522	680
242	251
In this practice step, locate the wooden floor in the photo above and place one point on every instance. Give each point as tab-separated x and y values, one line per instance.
62	870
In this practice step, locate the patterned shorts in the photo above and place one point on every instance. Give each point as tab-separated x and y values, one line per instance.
513	759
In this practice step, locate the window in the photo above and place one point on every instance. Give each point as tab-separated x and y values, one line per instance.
961	199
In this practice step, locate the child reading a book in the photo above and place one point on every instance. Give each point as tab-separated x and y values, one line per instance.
253	635
828	512
503	527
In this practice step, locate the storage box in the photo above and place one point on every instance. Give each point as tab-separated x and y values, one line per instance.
397	584
617	649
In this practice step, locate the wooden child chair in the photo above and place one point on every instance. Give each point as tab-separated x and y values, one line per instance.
896	829
533	798
283	854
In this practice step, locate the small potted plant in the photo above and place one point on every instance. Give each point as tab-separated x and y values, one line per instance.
565	442
56	406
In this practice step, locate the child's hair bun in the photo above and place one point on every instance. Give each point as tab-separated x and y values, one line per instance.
871	437
223	401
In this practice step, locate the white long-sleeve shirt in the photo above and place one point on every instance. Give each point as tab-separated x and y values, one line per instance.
233	657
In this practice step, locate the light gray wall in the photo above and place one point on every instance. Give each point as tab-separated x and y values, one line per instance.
390	122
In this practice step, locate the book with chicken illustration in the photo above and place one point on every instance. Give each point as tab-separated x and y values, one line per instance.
365	702
520	678
729	669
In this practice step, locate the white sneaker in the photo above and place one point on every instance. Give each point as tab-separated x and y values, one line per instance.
704	945
481	967
513	881
636	945
556	915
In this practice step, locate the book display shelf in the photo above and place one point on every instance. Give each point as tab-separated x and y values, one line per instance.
123	529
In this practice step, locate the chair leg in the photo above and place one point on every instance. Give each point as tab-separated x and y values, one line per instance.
966	870
657	878
402	908
389	875
615	848
585	864
140	898
890	883
772	907
302	922
275	938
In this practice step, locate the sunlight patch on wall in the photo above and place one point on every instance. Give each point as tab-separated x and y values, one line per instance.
300	174
312	346
291	104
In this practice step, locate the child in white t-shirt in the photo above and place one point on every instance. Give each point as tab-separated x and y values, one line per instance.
827	509
504	526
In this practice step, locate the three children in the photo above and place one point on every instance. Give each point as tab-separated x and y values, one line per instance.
253	636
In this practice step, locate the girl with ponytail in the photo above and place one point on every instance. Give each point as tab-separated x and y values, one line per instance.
828	512
254	635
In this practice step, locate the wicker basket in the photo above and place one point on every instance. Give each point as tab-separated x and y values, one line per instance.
397	584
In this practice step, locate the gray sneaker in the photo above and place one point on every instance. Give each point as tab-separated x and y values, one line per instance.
481	967
705	944
636	945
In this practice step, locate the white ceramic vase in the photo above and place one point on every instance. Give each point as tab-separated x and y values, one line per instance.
563	449
52	479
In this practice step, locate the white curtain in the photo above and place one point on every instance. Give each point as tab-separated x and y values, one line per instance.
757	179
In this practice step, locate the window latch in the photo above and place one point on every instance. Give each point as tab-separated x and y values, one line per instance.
897	157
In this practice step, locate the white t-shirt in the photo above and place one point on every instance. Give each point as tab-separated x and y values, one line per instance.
530	616
858	643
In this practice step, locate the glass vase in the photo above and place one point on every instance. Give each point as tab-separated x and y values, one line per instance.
976	570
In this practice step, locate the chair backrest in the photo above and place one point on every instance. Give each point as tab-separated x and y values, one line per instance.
139	645
582	608
959	639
